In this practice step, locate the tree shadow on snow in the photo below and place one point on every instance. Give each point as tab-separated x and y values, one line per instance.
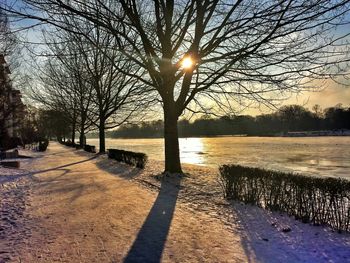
59	153
61	166
117	168
150	241
112	166
59	182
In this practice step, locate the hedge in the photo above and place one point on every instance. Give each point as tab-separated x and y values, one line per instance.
317	200
89	148
43	145
86	147
12	164
9	154
78	146
69	143
133	158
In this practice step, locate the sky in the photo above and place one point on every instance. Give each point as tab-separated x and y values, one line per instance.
331	95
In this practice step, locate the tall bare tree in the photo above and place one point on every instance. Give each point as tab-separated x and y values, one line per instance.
11	105
52	93
64	85
117	96
7	38
84	75
80	90
220	51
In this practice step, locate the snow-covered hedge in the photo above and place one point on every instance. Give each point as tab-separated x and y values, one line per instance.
86	147
68	143
133	158
317	200
43	145
89	148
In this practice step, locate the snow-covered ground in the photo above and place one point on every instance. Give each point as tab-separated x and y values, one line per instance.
69	208
266	236
275	237
14	197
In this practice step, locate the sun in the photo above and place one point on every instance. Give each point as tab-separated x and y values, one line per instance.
187	62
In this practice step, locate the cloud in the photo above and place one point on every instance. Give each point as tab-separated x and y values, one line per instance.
329	96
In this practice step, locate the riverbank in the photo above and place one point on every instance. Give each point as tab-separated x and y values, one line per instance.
86	208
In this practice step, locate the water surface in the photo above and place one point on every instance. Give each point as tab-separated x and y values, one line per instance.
324	156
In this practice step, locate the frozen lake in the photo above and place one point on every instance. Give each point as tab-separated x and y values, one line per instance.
324	156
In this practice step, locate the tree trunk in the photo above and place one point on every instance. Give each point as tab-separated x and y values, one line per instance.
102	136
73	132
82	130
171	141
81	138
82	135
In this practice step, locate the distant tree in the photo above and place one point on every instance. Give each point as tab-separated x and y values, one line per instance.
337	117
39	124
317	110
267	124
294	118
28	129
53	124
297	117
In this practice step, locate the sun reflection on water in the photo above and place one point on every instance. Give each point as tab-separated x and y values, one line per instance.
192	150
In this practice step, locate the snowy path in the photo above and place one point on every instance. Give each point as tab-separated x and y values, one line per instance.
77	207
80	213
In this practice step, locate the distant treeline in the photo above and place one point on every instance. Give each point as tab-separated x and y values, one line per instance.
286	119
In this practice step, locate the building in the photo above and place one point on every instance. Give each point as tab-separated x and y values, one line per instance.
11	105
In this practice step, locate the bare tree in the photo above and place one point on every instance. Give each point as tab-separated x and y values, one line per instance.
11	105
7	38
221	51
64	86
80	89
84	75
117	96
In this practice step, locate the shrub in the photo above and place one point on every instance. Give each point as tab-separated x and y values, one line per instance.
9	154
133	158
12	164
69	143
89	148
7	143
78	146
43	145
321	201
